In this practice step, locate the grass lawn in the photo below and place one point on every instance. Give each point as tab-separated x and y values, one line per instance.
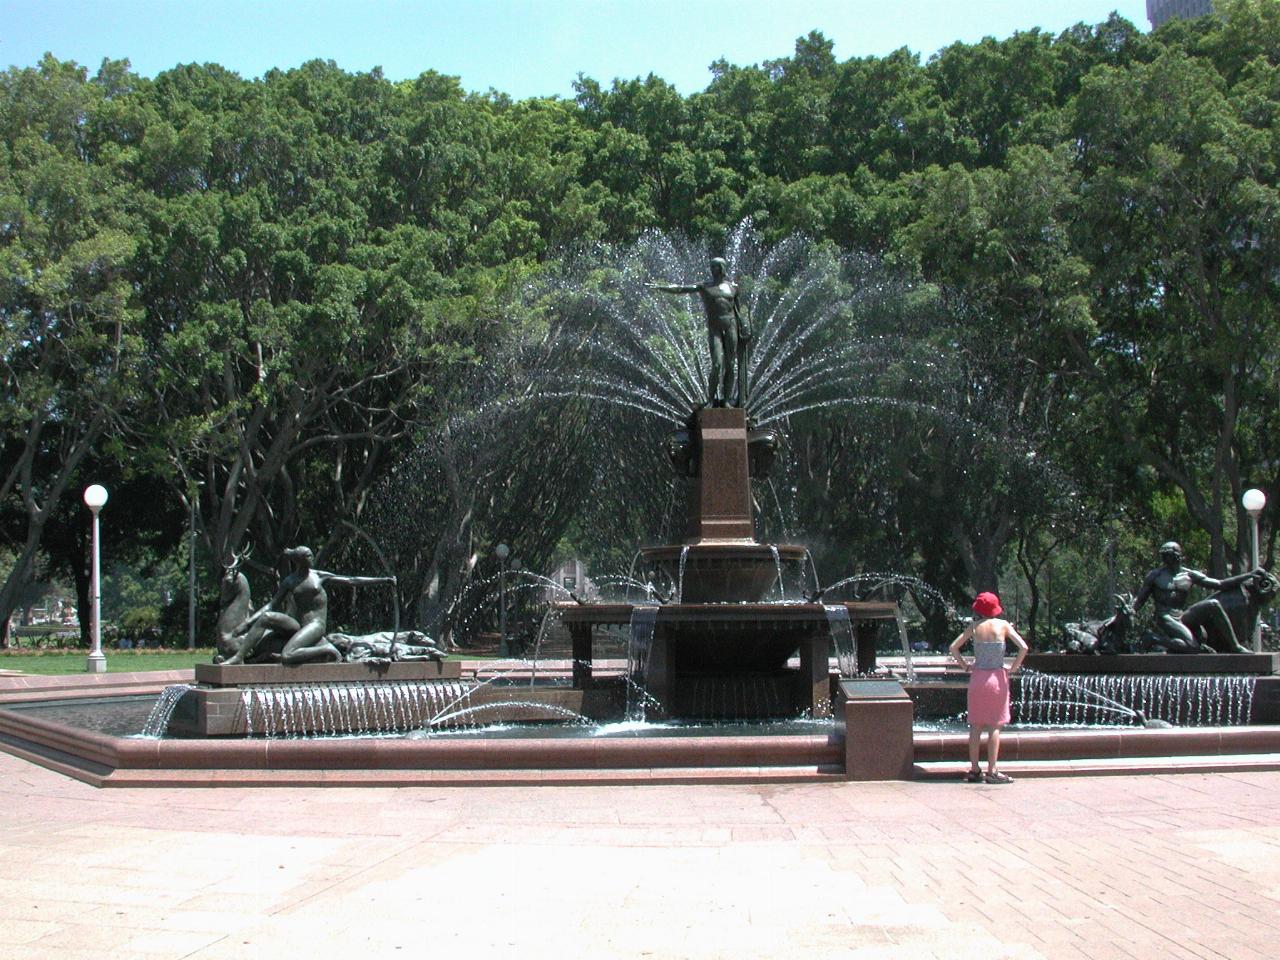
49	663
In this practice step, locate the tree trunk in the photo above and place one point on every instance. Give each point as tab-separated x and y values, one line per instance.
83	575
20	576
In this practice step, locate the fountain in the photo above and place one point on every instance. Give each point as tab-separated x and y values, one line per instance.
719	651
722	640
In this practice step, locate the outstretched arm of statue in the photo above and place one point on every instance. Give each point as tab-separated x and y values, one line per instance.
1224	584
327	577
672	287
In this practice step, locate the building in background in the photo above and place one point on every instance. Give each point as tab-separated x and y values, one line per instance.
572	577
1160	11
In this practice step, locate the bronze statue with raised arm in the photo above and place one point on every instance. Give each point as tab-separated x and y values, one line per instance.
297	615
1168	586
729	334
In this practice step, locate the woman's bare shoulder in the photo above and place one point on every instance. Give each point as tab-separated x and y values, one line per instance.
986	630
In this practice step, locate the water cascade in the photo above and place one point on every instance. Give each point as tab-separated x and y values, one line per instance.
842	638
639	647
906	647
330	709
777	565
158	720
1182	700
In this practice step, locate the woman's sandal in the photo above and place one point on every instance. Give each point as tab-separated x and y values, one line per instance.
999	778
973	776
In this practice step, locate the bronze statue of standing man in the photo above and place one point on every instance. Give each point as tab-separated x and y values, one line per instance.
729	334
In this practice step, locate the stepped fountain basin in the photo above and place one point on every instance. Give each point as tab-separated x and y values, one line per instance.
849	749
699	647
723	571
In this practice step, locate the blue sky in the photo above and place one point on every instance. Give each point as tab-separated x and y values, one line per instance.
521	47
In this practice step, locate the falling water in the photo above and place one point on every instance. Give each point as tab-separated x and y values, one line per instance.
879	580
842	636
684	555
813	571
777	565
738	699
639	646
1182	700
553	615
906	644
509	711
158	720
631	573
330	709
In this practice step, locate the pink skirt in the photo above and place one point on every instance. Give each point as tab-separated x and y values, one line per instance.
988	698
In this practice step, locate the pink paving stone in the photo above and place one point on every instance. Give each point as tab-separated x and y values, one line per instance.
789	869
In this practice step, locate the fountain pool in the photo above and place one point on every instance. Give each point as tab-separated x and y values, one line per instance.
88	729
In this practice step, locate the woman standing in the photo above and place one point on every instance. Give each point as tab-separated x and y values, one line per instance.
988	682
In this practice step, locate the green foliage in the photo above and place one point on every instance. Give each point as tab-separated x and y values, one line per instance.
260	293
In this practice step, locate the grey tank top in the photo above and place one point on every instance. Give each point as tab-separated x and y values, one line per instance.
988	654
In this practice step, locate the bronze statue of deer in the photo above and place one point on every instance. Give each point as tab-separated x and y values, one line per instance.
235	604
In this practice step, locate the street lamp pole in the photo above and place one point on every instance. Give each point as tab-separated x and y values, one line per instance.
191	577
503	551
513	646
95	497
1253	501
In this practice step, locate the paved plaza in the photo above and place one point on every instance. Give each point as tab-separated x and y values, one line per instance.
1169	866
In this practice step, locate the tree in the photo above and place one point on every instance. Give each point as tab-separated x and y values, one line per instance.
294	338
997	239
1179	220
69	349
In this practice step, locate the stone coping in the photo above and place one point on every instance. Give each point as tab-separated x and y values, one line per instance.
259	674
724	550
728	613
1176	663
1131	742
95	757
73	686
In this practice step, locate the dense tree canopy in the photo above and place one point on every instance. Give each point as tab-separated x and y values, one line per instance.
260	298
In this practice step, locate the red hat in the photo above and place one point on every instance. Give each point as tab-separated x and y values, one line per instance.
987	605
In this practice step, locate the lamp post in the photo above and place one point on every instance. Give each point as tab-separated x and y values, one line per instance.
194	498
1253	501
502	551
513	646
95	497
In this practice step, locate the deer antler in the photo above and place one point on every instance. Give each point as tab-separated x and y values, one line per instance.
238	558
